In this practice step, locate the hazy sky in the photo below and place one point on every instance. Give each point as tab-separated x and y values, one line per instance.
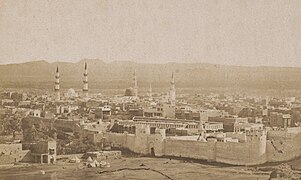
238	32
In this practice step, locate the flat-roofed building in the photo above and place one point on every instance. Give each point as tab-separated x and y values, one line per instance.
164	123
160	110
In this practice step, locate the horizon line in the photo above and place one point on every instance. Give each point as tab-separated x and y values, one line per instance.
149	63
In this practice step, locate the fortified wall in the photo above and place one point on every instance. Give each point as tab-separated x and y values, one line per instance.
142	142
259	147
251	152
283	145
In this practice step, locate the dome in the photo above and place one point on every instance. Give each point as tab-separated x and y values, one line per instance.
129	92
71	93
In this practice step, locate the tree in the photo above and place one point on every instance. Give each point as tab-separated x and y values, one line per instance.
11	126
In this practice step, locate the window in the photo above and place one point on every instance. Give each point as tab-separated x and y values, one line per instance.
51	151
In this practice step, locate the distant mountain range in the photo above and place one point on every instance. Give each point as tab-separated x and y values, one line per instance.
118	75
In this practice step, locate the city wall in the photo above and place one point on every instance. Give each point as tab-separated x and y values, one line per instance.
139	144
251	153
190	149
283	145
276	146
248	153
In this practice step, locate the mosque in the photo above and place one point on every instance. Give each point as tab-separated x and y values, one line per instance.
131	92
71	92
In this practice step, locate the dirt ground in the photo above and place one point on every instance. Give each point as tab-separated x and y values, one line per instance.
131	168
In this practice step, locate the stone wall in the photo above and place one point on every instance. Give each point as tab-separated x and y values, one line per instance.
139	144
11	153
116	139
250	153
283	145
278	145
10	148
190	149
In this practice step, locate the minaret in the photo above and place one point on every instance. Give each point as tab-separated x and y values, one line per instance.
266	101
135	84
57	85
172	90
86	89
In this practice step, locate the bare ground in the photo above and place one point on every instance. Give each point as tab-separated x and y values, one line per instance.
131	168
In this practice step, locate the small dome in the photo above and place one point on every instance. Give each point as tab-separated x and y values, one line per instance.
129	92
71	93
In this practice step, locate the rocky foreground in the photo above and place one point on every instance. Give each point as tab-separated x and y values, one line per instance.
147	168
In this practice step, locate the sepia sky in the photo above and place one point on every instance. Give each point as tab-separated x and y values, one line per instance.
236	32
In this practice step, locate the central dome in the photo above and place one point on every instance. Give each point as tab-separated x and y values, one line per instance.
129	92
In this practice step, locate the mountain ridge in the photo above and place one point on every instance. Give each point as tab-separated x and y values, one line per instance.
189	75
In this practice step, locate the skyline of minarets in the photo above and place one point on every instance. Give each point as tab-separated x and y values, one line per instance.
172	90
135	83
57	84
86	88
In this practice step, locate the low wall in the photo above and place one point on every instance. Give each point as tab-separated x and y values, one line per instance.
103	155
69	156
9	149
11	153
7	159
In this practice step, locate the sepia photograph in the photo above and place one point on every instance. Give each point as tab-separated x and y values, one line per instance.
150	89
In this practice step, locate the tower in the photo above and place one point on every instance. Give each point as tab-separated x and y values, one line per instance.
57	85
135	84
172	92
267	101
85	89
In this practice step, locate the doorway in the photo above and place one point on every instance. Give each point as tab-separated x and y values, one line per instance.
153	152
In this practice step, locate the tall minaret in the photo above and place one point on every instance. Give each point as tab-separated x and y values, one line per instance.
172	90
57	85
86	89
135	83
